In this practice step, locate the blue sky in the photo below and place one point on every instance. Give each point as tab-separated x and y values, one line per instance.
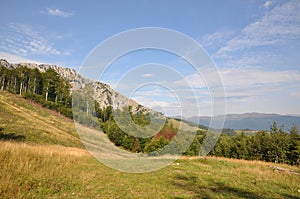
255	45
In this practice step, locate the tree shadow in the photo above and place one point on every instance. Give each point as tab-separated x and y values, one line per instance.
289	196
190	184
10	136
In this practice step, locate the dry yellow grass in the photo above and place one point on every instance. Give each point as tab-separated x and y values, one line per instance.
36	124
52	163
45	150
26	167
48	171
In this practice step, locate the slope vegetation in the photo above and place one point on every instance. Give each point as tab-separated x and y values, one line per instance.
45	171
42	157
21	120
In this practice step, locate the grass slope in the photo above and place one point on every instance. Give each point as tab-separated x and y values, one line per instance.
44	171
22	120
49	162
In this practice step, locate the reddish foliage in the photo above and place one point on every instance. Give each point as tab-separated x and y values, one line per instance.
167	133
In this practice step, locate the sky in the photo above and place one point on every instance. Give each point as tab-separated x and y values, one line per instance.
254	45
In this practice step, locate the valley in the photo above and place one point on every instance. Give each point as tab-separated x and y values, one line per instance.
50	162
150	99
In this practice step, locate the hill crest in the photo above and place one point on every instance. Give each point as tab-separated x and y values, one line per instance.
103	92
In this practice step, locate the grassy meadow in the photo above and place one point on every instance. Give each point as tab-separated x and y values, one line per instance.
25	121
41	156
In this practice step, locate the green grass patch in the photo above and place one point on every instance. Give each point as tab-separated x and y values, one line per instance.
34	123
45	171
41	156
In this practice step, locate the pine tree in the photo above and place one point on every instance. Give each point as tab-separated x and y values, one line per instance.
294	146
50	79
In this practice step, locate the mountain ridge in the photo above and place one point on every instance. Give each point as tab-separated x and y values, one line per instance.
103	92
252	120
104	95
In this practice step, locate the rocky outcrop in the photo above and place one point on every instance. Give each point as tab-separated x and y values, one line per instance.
104	94
4	63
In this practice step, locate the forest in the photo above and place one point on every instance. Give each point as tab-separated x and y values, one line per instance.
52	91
274	145
48	89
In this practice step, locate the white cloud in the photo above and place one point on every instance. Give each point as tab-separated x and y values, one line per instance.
245	56
248	90
171	102
186	106
16	59
215	39
147	75
247	83
24	40
267	4
295	94
246	78
162	106
154	92
277	26
59	13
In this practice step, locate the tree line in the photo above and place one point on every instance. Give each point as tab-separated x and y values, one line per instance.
54	92
47	88
275	145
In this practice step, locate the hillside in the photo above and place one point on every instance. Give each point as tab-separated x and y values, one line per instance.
103	92
26	122
253	121
43	171
42	157
92	103
22	120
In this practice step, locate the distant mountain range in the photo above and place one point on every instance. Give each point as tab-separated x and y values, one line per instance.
253	121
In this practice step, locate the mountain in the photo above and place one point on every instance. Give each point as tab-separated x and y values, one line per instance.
103	92
104	95
253	121
42	156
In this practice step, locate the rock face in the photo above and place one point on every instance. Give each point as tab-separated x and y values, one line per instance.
104	94
4	63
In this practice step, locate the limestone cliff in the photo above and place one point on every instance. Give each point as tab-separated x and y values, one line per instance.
103	92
